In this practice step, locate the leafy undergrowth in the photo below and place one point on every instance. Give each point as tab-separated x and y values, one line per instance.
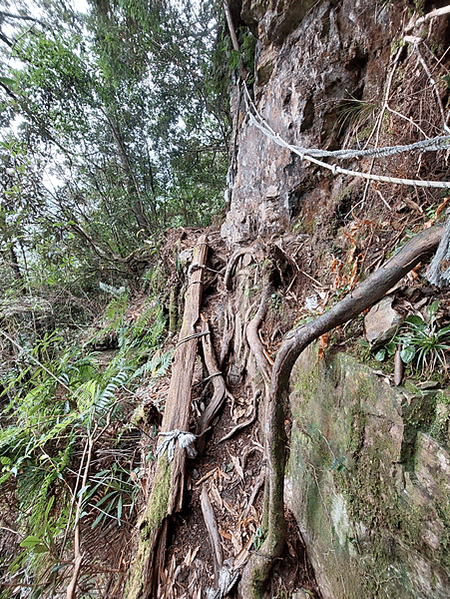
66	412
92	409
103	398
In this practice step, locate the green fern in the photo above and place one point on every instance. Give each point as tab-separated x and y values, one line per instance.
56	398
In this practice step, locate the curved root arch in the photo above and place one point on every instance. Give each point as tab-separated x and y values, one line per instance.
418	248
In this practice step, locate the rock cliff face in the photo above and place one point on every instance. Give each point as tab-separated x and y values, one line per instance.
311	57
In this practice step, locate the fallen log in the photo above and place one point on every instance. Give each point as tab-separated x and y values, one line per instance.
366	294
166	494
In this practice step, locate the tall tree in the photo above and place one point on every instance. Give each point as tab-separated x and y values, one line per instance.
121	105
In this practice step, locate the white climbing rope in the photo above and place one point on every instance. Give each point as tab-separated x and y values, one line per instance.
168	443
312	154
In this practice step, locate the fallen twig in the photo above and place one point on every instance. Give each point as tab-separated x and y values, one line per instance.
213	531
78	557
250	420
256	487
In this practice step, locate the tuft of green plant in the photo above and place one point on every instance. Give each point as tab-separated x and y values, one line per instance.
355	113
387	351
109	492
258	538
424	342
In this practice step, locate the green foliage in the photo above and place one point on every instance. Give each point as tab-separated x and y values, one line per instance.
109	493
143	332
338	464
355	113
113	127
129	124
425	342
388	350
258	538
57	83
155	367
58	398
248	48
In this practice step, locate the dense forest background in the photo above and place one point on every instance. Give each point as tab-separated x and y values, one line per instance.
114	127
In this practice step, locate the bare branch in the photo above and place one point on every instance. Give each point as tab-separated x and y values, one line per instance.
9	15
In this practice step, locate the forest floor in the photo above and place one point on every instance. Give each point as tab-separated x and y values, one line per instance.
231	466
308	277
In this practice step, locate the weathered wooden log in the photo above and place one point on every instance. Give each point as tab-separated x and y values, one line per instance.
166	494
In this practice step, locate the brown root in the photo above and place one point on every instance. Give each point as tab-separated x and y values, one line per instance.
258	568
220	390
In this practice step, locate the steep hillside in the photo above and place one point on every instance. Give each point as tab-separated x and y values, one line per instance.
189	426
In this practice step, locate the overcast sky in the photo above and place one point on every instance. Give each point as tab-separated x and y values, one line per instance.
80	5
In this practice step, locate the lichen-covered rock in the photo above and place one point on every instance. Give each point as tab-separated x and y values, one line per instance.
369	481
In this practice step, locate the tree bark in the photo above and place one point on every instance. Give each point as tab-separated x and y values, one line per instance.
363	296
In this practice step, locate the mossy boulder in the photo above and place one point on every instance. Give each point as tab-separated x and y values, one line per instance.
369	480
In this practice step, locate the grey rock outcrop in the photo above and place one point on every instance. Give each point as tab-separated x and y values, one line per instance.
311	58
369	481
381	322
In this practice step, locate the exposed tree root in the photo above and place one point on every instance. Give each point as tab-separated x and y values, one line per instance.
232	263
246	423
258	568
227	336
363	296
252	333
257	571
273	526
220	390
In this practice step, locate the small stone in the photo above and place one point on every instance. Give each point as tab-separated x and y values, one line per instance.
431	539
425	385
382	322
302	594
185	256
